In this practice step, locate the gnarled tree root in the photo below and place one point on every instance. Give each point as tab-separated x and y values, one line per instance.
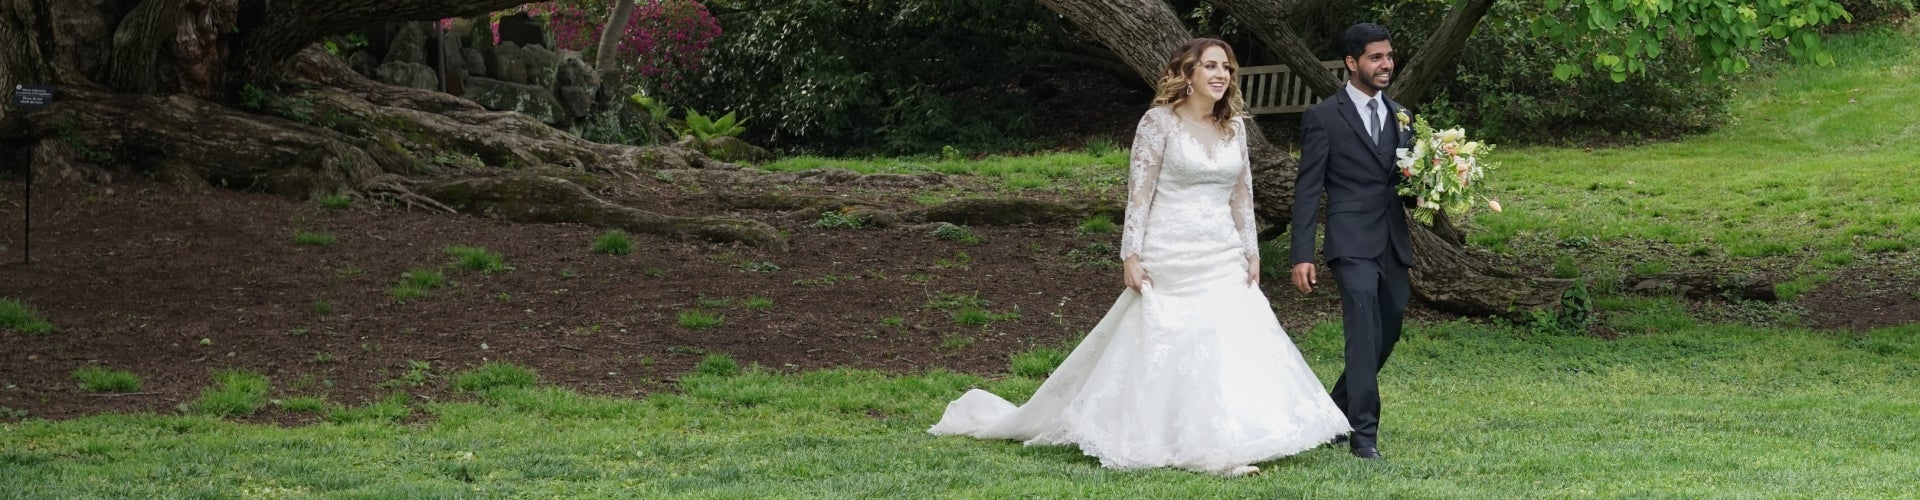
532	198
1447	278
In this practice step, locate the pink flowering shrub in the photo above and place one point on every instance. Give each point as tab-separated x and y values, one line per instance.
663	43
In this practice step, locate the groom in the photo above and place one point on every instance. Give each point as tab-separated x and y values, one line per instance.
1347	153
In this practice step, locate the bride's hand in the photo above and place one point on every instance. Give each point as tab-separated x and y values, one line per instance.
1253	271
1132	274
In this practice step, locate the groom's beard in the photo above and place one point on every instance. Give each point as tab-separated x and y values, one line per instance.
1370	80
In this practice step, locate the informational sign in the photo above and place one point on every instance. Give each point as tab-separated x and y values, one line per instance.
32	96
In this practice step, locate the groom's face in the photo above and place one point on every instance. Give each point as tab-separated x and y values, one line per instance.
1374	69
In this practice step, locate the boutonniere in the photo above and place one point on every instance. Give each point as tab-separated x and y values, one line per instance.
1400	115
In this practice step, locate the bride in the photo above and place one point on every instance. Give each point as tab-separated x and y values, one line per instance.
1190	369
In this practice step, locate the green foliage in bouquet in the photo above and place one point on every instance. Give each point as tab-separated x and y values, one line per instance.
1442	171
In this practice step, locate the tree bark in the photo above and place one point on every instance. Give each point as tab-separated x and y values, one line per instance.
529	198
1436	57
50	41
187	36
610	35
226	147
1141	32
1448	278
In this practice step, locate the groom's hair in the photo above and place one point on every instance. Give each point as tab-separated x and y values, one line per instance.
1354	43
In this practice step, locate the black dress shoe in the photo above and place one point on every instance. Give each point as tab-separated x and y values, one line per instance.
1369	453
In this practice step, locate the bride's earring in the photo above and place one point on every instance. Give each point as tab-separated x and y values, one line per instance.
1189	89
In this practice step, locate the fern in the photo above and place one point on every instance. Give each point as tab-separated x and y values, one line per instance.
699	124
705	128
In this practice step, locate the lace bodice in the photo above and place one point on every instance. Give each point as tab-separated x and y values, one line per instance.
1182	180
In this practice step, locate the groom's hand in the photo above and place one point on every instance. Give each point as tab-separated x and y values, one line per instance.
1305	276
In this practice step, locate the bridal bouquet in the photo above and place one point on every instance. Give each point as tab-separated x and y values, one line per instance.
1443	171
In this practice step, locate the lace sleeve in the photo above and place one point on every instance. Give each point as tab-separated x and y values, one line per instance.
1242	199
1143	174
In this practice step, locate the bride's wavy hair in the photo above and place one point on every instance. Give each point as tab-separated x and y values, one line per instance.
1173	80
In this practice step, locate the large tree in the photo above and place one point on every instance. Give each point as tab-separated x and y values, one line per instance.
1620	36
233	92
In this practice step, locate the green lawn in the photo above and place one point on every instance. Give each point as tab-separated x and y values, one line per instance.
1102	165
1816	172
1677	407
1473	411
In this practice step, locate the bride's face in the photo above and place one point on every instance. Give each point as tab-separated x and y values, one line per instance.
1211	75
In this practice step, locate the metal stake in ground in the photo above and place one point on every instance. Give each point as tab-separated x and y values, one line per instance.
30	97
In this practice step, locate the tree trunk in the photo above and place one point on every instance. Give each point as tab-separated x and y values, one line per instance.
188	31
610	35
1436	57
221	145
1447	277
1141	32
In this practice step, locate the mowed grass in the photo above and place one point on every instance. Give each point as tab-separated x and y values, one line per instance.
1819	166
1473	410
1096	168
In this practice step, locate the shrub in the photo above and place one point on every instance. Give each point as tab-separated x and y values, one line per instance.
1504	87
905	77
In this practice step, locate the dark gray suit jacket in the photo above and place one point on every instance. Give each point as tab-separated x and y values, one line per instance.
1365	217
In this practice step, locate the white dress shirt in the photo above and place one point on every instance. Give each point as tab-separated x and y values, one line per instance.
1360	107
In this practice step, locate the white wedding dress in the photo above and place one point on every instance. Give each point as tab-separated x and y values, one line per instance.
1193	371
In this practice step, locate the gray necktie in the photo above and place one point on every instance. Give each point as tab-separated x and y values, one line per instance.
1373	123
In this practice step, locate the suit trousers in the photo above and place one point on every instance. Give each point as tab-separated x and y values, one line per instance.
1373	301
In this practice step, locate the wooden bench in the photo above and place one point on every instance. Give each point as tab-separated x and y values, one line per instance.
1275	89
